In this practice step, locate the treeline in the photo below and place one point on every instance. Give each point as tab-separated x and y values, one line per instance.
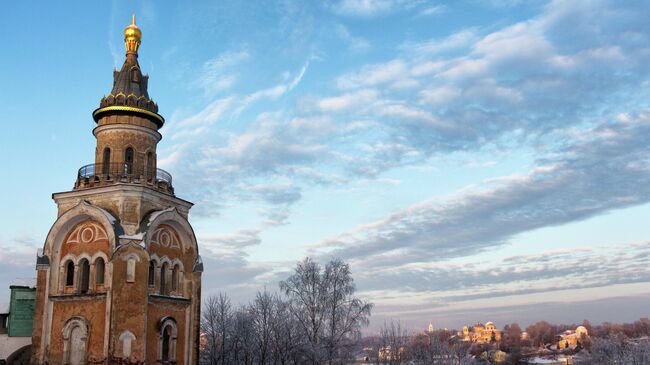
315	319
616	348
543	332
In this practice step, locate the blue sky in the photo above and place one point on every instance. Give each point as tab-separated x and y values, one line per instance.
472	160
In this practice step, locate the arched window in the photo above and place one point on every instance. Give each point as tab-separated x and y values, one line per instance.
175	278
168	334
106	161
99	271
128	161
69	274
84	268
163	278
152	273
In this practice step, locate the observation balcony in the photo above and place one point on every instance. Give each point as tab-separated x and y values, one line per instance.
100	174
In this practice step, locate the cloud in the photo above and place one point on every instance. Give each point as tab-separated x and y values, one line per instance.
240	239
217	74
617	309
18	260
433	10
566	269
372	75
455	41
567	85
200	122
355	43
347	101
514	85
606	168
364	8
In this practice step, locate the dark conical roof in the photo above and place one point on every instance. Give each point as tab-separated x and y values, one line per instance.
129	93
129	80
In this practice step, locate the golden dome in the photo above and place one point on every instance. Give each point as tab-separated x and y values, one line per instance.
132	37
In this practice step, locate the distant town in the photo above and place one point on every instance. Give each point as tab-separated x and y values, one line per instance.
486	343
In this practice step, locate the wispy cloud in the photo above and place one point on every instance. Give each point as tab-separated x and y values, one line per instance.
218	75
594	175
355	43
364	8
568	84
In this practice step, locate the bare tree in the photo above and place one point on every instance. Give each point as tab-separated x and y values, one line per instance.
215	325
618	349
319	322
261	312
344	313
286	338
243	338
307	293
323	304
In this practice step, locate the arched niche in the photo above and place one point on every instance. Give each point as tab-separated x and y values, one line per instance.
75	341
169	220
127	338
66	226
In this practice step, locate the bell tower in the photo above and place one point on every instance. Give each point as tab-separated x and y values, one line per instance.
119	276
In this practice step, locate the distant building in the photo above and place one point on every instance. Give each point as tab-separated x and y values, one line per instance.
480	333
16	320
387	354
570	339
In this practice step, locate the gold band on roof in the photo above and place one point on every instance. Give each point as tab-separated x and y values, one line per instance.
129	109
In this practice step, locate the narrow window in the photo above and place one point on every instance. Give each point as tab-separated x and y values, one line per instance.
152	273
128	161
106	161
175	278
165	344
99	271
69	274
150	168
163	281
84	267
135	75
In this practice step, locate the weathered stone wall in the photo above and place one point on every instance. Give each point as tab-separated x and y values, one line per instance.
127	202
129	298
39	314
158	308
90	307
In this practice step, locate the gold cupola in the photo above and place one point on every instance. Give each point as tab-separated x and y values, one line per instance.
132	37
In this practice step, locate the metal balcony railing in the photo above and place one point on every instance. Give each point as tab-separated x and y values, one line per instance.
123	172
